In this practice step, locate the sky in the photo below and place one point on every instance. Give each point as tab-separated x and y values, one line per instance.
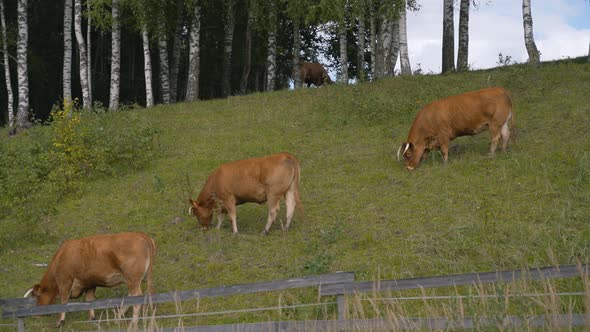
561	29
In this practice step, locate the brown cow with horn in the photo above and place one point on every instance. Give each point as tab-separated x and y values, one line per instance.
258	180
81	265
313	73
466	114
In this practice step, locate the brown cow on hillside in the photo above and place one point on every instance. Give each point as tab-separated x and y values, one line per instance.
256	180
313	73
467	114
81	265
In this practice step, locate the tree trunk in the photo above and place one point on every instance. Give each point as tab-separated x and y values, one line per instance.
194	66
588	52
394	45
362	75
271	62
115	57
67	67
89	52
448	43
228	38
149	94
463	53
296	49
385	47
373	42
406	68
343	52
247	54
164	69
176	44
82	53
529	40
22	116
10	95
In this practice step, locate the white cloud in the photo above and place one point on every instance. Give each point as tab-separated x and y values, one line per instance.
496	27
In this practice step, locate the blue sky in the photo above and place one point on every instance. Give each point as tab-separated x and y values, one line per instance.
561	29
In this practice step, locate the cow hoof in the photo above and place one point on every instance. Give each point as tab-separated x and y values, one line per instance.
264	232
60	323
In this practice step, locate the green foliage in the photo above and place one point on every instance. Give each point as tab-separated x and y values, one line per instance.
49	162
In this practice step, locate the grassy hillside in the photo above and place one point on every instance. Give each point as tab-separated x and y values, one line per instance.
363	212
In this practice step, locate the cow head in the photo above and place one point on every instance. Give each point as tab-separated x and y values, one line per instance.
412	153
43	295
202	213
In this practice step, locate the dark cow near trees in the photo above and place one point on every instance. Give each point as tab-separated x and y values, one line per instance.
313	73
108	260
467	114
256	180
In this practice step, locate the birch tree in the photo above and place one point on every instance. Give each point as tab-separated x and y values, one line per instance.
10	94
384	48
295	60
115	57
82	53
176	45
22	115
271	56
192	85
448	42
164	68
463	52
529	40
394	45
343	52
247	50
67	65
147	67
406	68
228	37
373	40
89	51
362	75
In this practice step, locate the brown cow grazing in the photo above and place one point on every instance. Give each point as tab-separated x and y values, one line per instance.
467	114
81	265
256	180
313	73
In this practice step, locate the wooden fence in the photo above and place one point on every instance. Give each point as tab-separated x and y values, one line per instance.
335	284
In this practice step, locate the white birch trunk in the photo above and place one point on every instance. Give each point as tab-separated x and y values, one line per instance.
175	65
89	52
227	45
10	94
529	40
362	75
373	44
448	43
115	57
67	67
296	49
463	52
343	53
164	69
82	50
22	116
272	52
147	68
385	47
394	45
247	54
194	66
406	68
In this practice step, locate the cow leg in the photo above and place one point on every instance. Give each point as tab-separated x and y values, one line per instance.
219	219
505	135
230	207
290	202
495	135
444	149
135	290
273	207
64	297
91	296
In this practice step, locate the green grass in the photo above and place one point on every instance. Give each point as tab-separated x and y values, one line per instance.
364	213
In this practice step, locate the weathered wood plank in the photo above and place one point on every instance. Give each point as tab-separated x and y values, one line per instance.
311	281
379	324
453	280
18	302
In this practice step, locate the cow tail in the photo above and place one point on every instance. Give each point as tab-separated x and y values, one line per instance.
513	128
295	186
153	253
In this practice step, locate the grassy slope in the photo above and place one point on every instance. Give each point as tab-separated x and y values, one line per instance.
363	212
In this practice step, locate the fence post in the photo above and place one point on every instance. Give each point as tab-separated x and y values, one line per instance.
340	304
20	325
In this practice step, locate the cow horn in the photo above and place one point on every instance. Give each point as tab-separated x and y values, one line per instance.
190	210
29	292
398	150
406	149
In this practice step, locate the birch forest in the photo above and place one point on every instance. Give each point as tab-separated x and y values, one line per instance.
112	53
